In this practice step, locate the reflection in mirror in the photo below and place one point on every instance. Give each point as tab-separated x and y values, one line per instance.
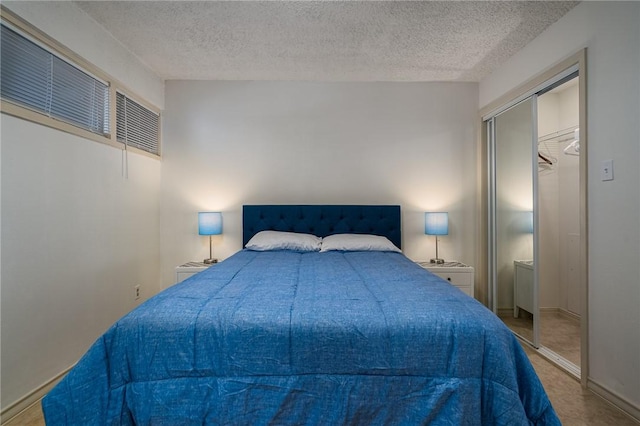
514	219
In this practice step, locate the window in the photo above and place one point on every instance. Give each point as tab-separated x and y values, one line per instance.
44	82
35	78
137	125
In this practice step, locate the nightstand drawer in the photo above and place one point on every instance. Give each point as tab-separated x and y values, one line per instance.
181	276
458	274
188	269
455	278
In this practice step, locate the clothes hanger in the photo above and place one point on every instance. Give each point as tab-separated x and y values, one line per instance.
573	148
545	159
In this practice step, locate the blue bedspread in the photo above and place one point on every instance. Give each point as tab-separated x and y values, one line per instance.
305	338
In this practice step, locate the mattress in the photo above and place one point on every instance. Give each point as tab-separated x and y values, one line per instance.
284	337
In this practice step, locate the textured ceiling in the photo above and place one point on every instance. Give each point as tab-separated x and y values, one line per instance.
325	40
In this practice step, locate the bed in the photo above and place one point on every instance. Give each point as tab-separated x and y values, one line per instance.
355	334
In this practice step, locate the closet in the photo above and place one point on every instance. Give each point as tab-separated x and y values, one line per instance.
536	217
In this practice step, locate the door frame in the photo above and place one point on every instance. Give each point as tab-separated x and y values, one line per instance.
562	69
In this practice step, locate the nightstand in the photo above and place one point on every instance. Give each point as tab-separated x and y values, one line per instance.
190	268
522	286
457	273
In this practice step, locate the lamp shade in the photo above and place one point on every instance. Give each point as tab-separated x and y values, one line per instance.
436	223
210	223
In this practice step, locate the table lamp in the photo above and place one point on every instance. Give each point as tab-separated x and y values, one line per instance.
436	223
210	223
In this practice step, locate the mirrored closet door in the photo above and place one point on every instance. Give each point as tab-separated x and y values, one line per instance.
534	218
513	133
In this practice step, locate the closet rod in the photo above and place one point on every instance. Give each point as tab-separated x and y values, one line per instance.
557	134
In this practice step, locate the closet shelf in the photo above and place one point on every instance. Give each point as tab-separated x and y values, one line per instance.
558	134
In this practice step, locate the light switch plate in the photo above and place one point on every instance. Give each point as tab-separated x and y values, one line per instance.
606	170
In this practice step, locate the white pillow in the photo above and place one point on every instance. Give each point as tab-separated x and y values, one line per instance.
276	240
357	242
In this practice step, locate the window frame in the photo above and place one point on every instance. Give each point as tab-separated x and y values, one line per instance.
38	37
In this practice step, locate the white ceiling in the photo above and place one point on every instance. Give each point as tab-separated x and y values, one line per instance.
325	40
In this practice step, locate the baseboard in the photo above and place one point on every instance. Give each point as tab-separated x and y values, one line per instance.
31	398
616	401
611	398
503	312
560	311
569	314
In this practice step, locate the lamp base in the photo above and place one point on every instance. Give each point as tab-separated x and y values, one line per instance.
437	261
210	261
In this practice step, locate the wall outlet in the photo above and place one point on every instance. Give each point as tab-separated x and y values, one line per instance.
136	291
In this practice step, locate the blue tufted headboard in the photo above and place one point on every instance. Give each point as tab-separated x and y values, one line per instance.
322	220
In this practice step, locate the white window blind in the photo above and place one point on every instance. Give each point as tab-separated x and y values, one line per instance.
136	125
37	79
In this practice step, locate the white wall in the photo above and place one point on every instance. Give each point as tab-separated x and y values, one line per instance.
611	33
232	143
76	235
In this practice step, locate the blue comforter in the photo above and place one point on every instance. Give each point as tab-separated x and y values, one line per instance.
305	338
